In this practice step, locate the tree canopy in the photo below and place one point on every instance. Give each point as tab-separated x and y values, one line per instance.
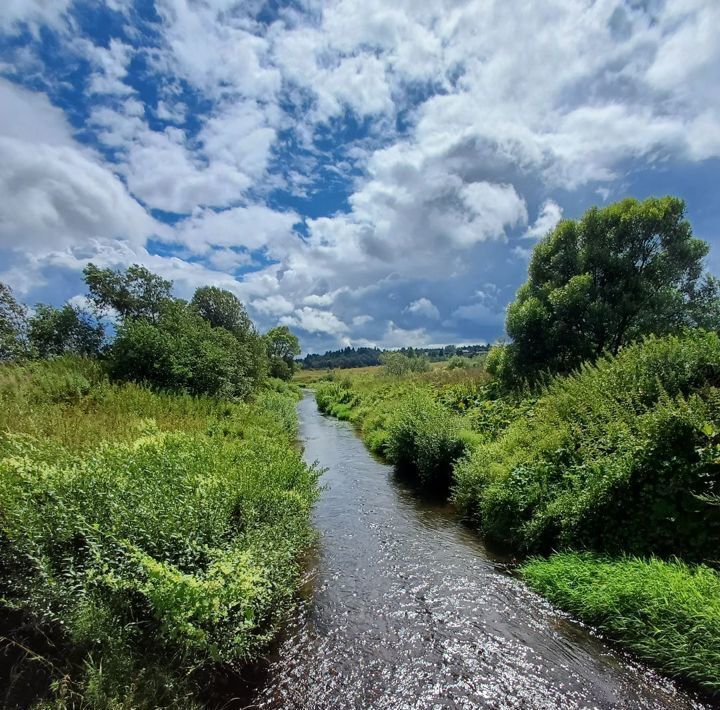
221	309
135	292
57	331
597	283
282	347
13	326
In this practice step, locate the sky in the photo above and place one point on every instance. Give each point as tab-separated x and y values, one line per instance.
367	172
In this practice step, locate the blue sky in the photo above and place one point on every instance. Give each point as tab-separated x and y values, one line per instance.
366	172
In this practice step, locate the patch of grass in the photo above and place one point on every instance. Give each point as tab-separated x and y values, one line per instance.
666	612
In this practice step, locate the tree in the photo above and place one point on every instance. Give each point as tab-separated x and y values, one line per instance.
396	362
135	292
56	331
282	347
619	273
222	309
182	351
13	326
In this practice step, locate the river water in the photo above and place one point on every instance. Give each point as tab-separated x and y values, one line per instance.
405	608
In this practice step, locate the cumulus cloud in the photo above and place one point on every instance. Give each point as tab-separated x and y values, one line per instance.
358	164
56	193
548	217
423	307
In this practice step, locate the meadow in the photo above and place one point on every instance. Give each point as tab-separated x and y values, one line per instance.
608	476
150	542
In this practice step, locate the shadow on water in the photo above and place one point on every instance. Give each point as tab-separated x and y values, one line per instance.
405	607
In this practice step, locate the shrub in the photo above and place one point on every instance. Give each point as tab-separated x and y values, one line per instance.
396	364
424	439
612	458
667	612
183	351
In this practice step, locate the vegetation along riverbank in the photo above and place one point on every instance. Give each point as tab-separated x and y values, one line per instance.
152	530
590	443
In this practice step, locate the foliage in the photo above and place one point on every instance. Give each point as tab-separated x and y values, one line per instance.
182	351
149	535
596	284
424	440
57	331
667	612
282	347
396	363
616	457
349	357
135	292
13	326
459	362
222	309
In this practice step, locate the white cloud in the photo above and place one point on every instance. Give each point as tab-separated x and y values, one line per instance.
548	217
56	193
472	110
33	12
252	227
423	307
314	320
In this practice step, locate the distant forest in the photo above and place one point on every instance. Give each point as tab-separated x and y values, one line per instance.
364	357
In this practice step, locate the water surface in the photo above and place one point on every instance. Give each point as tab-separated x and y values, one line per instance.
405	608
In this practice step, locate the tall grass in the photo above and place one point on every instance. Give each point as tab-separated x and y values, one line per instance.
666	612
147	531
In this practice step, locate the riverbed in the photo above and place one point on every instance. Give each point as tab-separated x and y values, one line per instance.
405	608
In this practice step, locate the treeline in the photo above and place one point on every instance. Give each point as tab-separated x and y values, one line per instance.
592	437
348	358
131	320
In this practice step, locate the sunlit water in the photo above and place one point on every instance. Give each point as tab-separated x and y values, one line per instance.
405	608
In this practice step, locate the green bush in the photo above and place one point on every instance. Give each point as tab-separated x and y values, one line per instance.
424	439
182	351
667	612
147	533
611	458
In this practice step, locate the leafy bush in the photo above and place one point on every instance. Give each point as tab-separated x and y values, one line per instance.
183	351
147	533
424	439
667	612
611	458
396	364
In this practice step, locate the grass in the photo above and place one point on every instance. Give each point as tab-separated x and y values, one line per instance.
667	612
150	537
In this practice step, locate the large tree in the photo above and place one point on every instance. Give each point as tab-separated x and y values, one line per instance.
56	331
182	351
597	283
13	326
282	347
222	309
135	292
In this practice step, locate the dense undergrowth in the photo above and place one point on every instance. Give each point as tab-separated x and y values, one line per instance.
150	539
622	457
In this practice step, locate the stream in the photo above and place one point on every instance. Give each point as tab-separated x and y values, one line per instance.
405	608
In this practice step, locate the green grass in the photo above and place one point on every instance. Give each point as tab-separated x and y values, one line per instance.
668	613
153	537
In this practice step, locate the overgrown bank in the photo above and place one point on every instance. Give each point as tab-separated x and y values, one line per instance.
621	457
152	540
